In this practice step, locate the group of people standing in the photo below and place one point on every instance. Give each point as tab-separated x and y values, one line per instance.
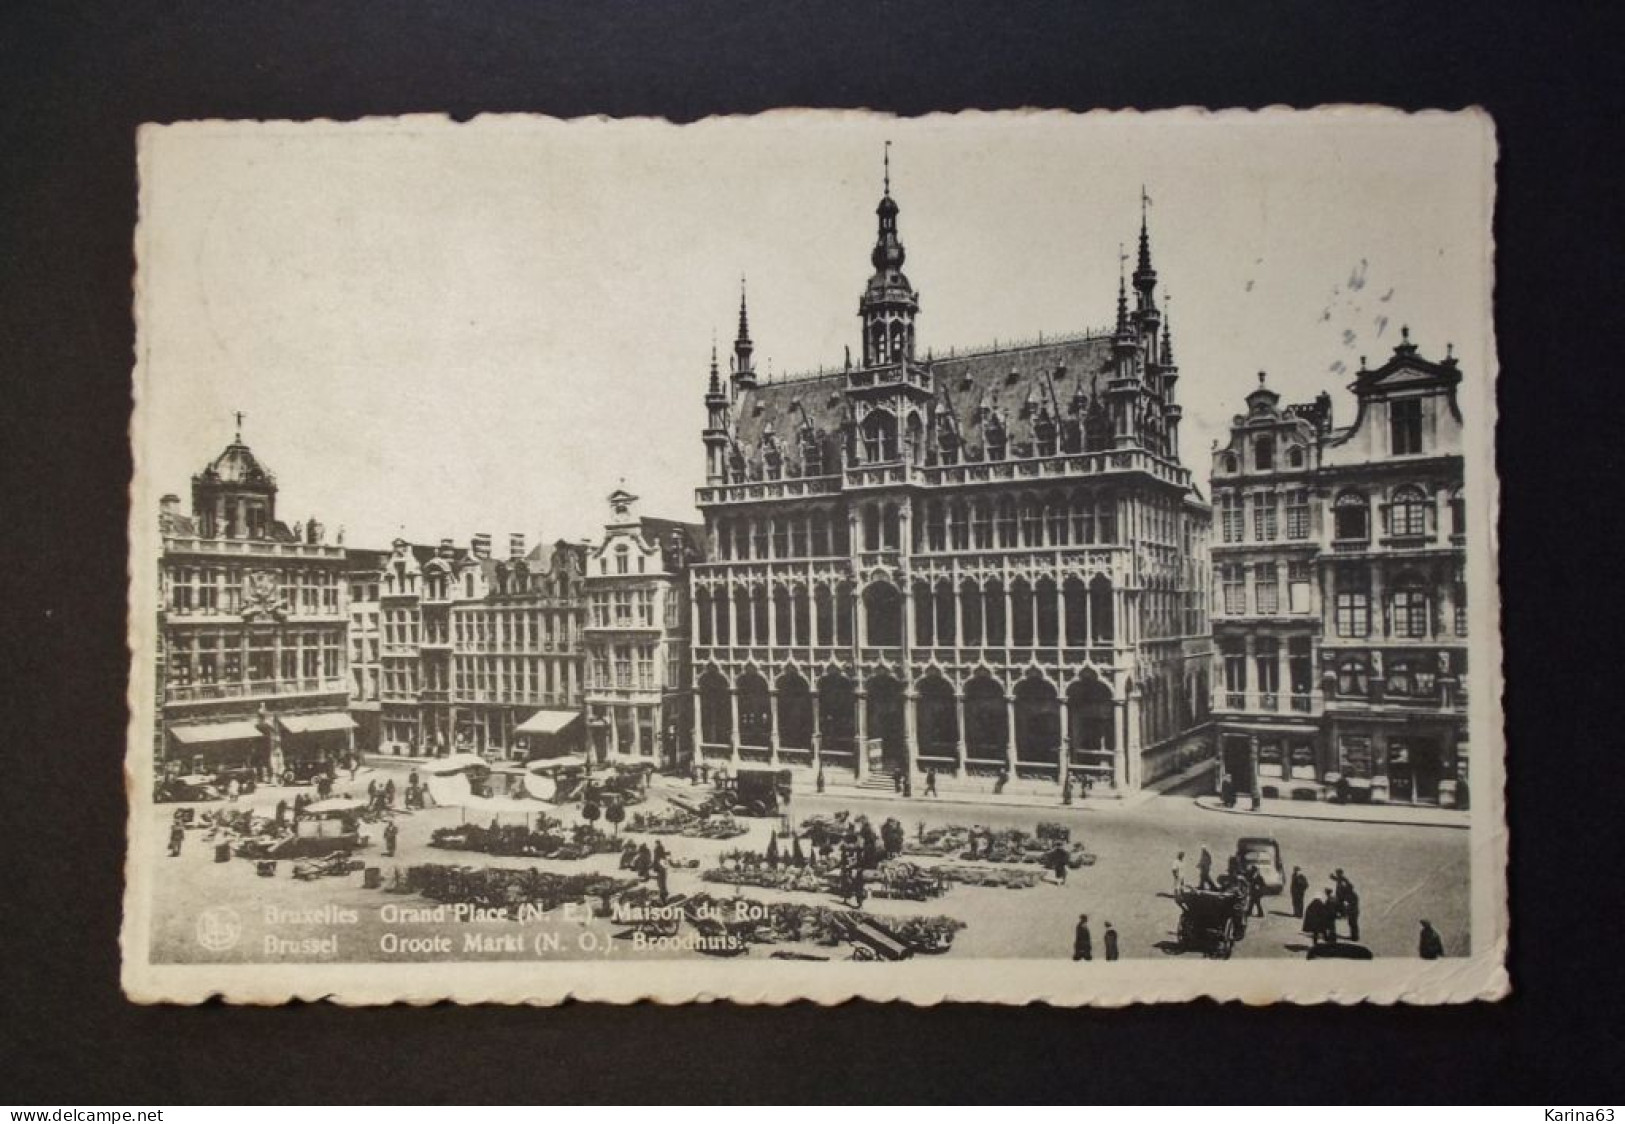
647	863
1339	901
1083	941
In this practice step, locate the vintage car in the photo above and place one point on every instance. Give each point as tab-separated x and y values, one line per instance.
1265	854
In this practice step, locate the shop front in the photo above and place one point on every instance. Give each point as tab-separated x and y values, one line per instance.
549	733
215	747
309	743
1402	762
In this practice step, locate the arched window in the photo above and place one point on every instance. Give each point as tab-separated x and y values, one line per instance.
1038	721
1294	456
824	614
943	596
1021	613
924	616
1407	512
987	719
993	612
1047	624
1101	619
1353	677
755	714
883	607
795	712
716	712
1076	595
970	614
937	717
1351	517
1411	607
783	619
837	713
1410	678
1089	714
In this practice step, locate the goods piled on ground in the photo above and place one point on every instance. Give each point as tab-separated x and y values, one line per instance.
549	839
1006	845
500	888
796	923
987	876
678	821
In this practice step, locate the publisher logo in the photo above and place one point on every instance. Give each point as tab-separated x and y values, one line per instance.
218	928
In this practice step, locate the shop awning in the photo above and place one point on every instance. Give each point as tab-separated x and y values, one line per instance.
315	723
206	733
547	722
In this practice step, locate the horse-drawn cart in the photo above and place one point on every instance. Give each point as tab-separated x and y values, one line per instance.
1212	921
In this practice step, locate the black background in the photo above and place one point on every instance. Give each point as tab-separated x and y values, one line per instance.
78	78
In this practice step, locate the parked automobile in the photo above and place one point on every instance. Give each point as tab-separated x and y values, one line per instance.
1265	854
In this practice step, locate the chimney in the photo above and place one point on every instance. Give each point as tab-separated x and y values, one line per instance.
315	533
170	504
446	549
516	545
480	547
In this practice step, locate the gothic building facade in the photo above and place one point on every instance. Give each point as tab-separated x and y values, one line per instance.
251	629
638	691
1340	604
987	563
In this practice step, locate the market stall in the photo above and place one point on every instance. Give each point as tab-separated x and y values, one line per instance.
556	779
451	780
550	733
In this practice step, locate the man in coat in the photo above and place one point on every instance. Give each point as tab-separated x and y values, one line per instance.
391	834
1255	891
1083	943
1299	886
1320	920
1348	902
1111	942
1430	946
1204	870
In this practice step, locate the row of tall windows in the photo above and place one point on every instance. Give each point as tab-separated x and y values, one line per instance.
509	679
524	629
625	666
1405	515
307	591
820	534
254	658
1083	518
1268	596
1411	607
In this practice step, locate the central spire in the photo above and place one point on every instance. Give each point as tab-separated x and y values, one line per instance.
744	371
889	301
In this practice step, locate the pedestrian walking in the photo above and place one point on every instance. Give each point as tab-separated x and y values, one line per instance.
391	834
1430	946
1204	870
1299	887
1110	939
389	793
1227	791
1058	862
659	872
641	864
1083	943
930	782
1348	902
1255	892
818	784
355	766
1179	873
1000	781
177	836
897	780
660	853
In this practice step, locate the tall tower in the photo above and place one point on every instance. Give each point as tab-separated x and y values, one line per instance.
717	421
889	302
1146	316
743	370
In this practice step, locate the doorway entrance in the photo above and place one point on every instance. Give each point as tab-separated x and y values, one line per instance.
884	721
1414	771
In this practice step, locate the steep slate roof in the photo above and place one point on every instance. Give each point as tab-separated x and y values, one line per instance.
966	382
658	531
238	465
